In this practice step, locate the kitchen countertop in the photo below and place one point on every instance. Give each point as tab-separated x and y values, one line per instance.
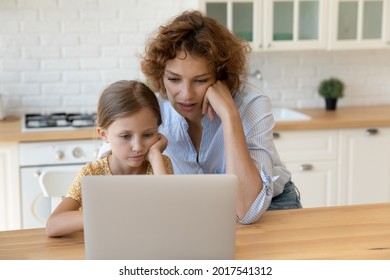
348	117
10	130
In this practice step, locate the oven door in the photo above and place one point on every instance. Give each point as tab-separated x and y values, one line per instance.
36	208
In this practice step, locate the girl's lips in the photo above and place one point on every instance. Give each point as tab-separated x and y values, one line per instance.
140	157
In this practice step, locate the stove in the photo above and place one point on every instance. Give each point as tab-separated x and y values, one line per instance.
58	121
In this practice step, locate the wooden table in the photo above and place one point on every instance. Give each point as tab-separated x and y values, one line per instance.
344	232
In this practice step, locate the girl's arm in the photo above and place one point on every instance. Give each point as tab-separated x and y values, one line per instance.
238	160
155	156
66	218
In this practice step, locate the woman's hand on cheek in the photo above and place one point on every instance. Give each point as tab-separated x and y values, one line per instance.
207	108
217	99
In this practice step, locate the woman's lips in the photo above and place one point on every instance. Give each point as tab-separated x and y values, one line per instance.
186	107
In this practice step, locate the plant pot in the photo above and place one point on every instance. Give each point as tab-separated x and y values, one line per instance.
331	104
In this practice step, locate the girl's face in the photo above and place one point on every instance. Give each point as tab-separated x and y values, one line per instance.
130	138
186	80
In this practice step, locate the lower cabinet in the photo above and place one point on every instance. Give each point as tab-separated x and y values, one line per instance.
311	157
338	166
9	186
365	161
316	182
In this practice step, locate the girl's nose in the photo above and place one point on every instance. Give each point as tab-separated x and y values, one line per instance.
137	145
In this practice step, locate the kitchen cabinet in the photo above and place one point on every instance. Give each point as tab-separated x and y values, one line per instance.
305	24
365	161
9	186
360	24
295	24
311	157
272	24
242	17
338	166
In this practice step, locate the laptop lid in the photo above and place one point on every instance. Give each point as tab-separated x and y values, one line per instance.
159	216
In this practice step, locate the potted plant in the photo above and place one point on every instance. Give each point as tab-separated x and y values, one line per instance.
331	89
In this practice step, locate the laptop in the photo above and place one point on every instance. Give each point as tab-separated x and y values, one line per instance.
159	217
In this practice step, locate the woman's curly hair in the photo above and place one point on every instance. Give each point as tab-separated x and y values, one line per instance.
196	35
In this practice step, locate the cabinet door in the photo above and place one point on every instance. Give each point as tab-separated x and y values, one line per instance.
9	187
360	24
307	145
316	182
311	157
295	24
365	165
238	16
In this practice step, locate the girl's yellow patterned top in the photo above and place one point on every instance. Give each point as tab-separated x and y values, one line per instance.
101	167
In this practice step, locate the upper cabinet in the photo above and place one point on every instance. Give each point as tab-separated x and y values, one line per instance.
360	24
294	24
305	24
240	16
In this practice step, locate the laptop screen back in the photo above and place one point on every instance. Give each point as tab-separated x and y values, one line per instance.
159	216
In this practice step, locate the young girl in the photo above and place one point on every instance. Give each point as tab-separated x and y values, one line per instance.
128	119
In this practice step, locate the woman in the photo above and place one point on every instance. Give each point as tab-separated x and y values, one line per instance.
213	120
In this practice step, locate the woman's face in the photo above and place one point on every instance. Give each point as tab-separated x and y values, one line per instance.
186	80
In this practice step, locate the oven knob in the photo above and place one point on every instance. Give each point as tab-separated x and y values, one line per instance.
78	152
60	155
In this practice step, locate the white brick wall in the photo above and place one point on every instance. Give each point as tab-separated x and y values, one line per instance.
57	55
291	78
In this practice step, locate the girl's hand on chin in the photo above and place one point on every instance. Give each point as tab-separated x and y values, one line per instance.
158	147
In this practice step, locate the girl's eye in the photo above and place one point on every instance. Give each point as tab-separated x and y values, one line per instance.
148	135
125	136
201	81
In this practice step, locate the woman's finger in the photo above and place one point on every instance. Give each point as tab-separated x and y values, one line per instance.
210	113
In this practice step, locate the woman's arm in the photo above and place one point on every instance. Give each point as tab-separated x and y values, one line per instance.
65	219
238	160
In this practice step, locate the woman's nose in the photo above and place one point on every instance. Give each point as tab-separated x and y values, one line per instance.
186	90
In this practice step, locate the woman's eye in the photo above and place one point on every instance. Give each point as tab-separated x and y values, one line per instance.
201	81
125	136
173	80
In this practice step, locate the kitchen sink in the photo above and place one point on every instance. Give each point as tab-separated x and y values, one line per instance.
286	114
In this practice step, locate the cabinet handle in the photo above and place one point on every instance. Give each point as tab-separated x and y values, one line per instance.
276	135
372	131
306	167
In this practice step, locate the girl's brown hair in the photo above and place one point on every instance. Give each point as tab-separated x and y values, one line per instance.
196	35
123	98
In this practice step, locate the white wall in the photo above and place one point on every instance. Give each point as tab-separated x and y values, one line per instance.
58	54
291	78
